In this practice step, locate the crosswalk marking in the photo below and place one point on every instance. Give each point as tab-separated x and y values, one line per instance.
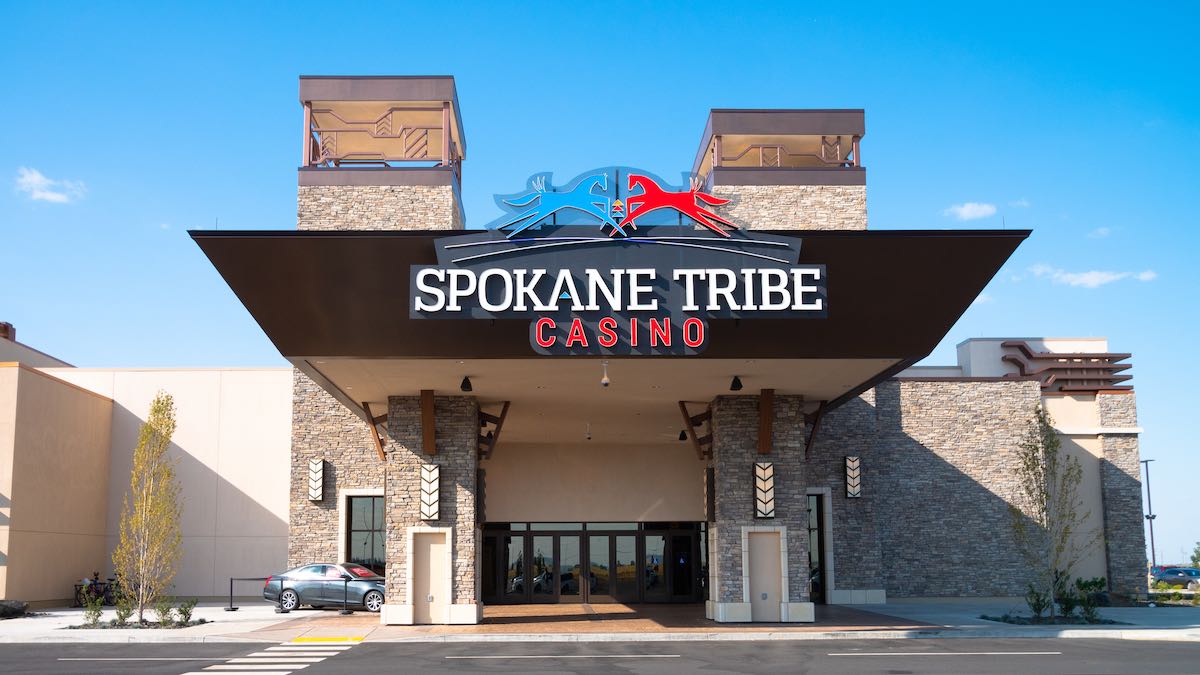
274	668
291	653
283	658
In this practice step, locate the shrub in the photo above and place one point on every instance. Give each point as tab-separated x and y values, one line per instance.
1091	596
165	612
1038	603
124	608
185	610
93	607
1064	593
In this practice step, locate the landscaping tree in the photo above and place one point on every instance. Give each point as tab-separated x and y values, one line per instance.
1196	555
1046	514
149	547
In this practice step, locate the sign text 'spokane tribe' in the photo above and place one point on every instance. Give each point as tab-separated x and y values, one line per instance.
646	283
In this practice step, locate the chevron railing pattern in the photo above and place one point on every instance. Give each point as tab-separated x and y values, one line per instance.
430	479
316	480
764	490
853	478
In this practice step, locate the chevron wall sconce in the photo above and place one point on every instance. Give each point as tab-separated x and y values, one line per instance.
853	477
316	480
764	490
430	482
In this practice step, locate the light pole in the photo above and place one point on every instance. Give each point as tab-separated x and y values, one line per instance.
1150	515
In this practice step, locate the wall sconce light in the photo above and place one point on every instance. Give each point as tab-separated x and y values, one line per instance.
735	384
466	384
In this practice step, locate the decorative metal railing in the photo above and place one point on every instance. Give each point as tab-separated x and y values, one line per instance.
334	140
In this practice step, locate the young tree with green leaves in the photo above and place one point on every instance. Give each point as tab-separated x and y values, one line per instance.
1196	555
149	546
1046	513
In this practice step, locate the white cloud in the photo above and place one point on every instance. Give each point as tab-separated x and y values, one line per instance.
1099	233
983	299
42	189
1089	279
970	211
1021	203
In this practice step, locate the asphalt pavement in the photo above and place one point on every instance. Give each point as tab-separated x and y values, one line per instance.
893	657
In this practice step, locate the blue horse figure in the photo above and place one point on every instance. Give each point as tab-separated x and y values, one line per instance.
543	204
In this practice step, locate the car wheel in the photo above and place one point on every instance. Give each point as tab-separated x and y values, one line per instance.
373	601
289	600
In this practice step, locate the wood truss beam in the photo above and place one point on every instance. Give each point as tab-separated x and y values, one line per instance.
374	429
701	444
487	442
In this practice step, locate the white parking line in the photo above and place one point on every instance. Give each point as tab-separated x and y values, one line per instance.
946	654
277	659
145	658
257	669
242	672
311	647
289	655
570	656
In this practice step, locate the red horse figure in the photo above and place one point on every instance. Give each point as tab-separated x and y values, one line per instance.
653	198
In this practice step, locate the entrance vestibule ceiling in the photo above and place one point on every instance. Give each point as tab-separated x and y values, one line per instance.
563	401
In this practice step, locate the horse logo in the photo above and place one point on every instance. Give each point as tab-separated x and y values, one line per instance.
541	203
652	197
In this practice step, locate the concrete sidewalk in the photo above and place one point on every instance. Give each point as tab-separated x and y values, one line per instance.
923	618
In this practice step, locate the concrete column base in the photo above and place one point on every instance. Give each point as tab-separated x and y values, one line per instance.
402	615
727	612
797	612
876	596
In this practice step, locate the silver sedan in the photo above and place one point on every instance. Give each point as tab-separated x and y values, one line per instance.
323	585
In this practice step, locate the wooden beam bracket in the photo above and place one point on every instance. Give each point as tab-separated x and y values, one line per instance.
701	444
428	424
487	442
766	417
374	429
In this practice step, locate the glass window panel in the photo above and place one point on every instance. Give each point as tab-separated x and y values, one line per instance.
654	573
569	569
612	526
626	566
555	526
600	565
378	522
514	564
361	509
542	568
362	548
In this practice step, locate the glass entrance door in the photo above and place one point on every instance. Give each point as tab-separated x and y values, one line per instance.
601	568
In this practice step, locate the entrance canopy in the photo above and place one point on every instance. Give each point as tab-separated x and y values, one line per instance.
337	305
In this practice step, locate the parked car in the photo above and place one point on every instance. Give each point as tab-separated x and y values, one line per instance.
1187	577
323	585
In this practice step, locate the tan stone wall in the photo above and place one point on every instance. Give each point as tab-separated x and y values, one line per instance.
323	428
457	433
944	473
1121	484
378	207
796	207
735	450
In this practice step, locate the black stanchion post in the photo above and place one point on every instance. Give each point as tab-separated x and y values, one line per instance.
281	609
345	594
231	608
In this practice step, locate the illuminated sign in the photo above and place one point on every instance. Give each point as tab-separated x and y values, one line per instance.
646	283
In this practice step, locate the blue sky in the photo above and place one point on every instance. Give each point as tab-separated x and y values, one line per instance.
125	125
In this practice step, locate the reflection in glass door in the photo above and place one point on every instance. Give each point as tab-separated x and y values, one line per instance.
542	568
625	586
683	572
600	566
570	571
514	568
654	568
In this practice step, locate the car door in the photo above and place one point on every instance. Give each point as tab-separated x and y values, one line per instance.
307	582
333	587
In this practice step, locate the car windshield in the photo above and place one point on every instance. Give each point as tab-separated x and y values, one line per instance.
359	571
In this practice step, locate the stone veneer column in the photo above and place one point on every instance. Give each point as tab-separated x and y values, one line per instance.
323	428
1121	493
378	207
457	434
735	443
796	207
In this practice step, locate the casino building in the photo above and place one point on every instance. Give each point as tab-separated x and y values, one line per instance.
633	389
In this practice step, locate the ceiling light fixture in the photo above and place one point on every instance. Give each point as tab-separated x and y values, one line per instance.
682	435
604	381
735	384
466	384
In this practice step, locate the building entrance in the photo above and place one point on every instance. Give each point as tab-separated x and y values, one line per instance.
592	562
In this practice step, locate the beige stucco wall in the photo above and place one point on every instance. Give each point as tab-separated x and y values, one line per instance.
588	482
15	351
54	465
233	449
